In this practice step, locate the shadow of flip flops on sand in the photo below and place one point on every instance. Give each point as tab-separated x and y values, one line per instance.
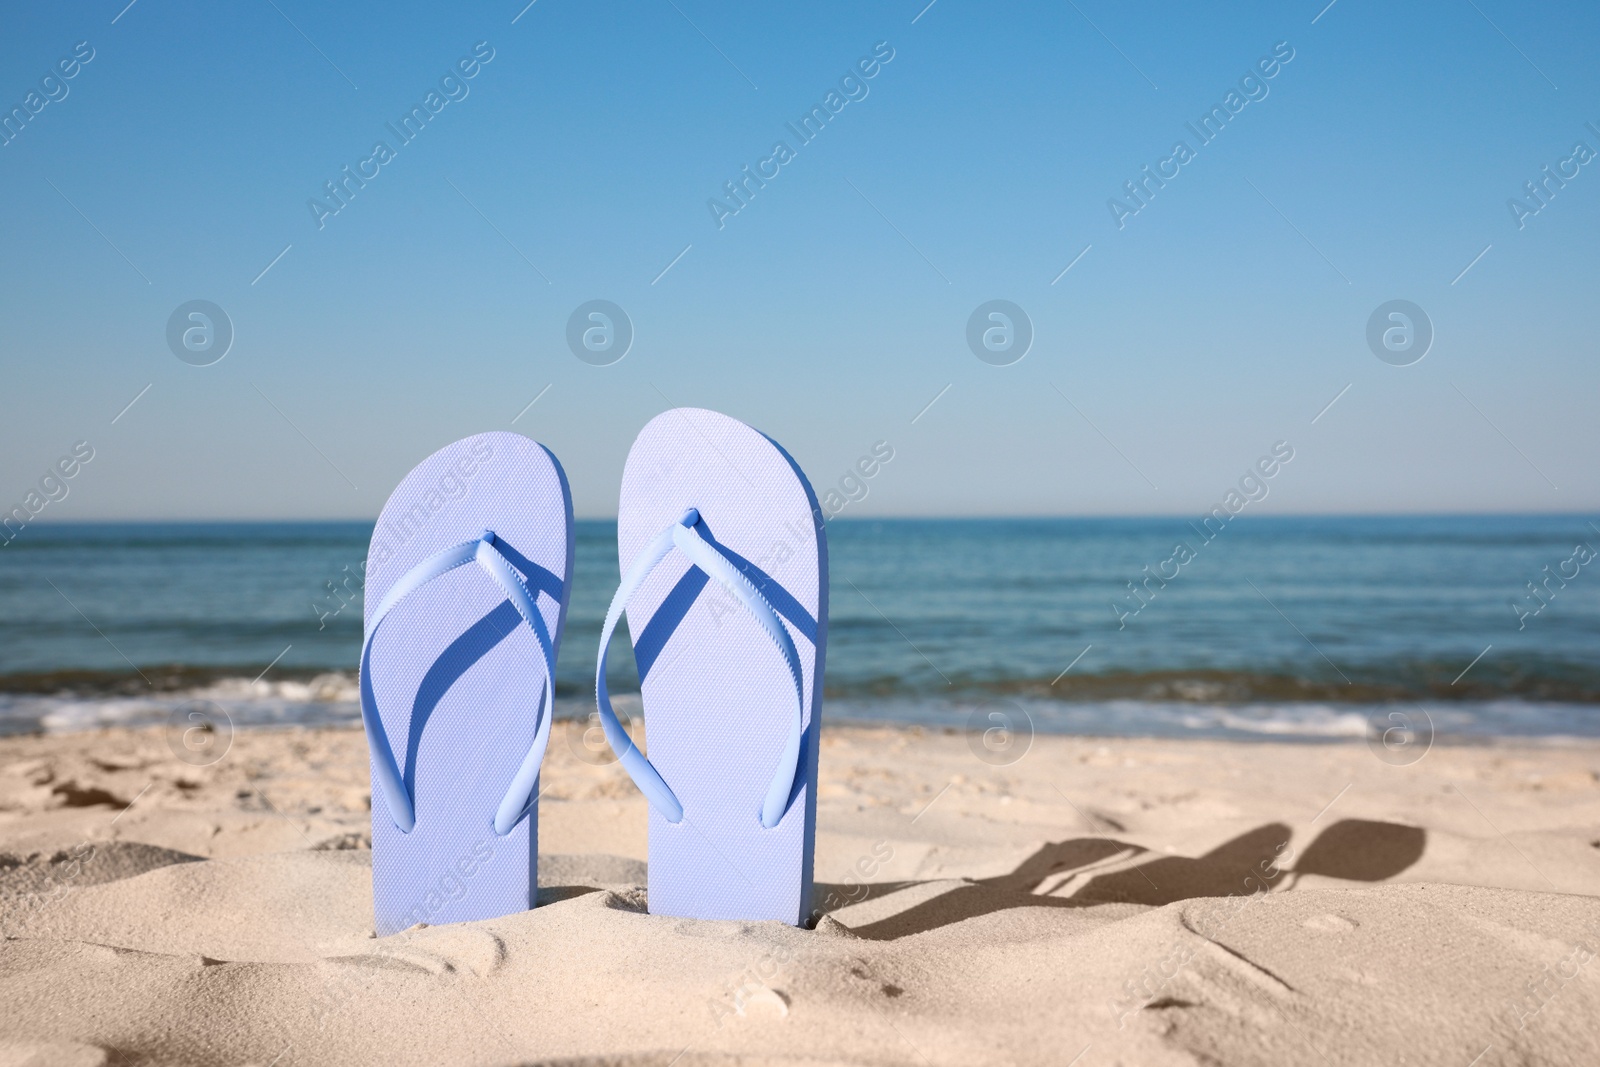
1361	850
1247	864
565	876
1083	872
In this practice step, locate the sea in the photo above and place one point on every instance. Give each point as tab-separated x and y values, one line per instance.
1271	628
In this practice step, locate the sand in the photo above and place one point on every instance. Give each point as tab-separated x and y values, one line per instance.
1096	902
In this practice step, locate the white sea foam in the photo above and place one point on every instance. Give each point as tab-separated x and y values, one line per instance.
326	699
333	699
1279	720
1310	721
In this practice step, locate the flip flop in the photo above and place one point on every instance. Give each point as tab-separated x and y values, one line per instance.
467	583
725	583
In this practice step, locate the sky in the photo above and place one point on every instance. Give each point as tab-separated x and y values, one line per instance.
1176	338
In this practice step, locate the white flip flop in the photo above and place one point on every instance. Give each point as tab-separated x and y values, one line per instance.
467	584
725	584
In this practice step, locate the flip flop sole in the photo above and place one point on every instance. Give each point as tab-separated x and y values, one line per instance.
457	677
718	698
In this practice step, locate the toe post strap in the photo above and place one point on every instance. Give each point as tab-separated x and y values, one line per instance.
685	536
388	779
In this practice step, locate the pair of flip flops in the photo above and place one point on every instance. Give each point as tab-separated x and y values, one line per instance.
725	584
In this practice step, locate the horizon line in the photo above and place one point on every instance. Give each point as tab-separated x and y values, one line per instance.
921	517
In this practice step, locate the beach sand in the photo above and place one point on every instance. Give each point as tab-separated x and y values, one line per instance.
1095	902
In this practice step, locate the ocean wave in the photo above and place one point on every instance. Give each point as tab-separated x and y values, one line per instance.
1397	680
1314	721
333	687
1166	705
330	699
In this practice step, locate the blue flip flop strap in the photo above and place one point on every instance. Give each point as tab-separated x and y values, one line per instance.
705	555
392	784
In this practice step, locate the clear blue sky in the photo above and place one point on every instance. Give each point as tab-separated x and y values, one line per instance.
831	309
